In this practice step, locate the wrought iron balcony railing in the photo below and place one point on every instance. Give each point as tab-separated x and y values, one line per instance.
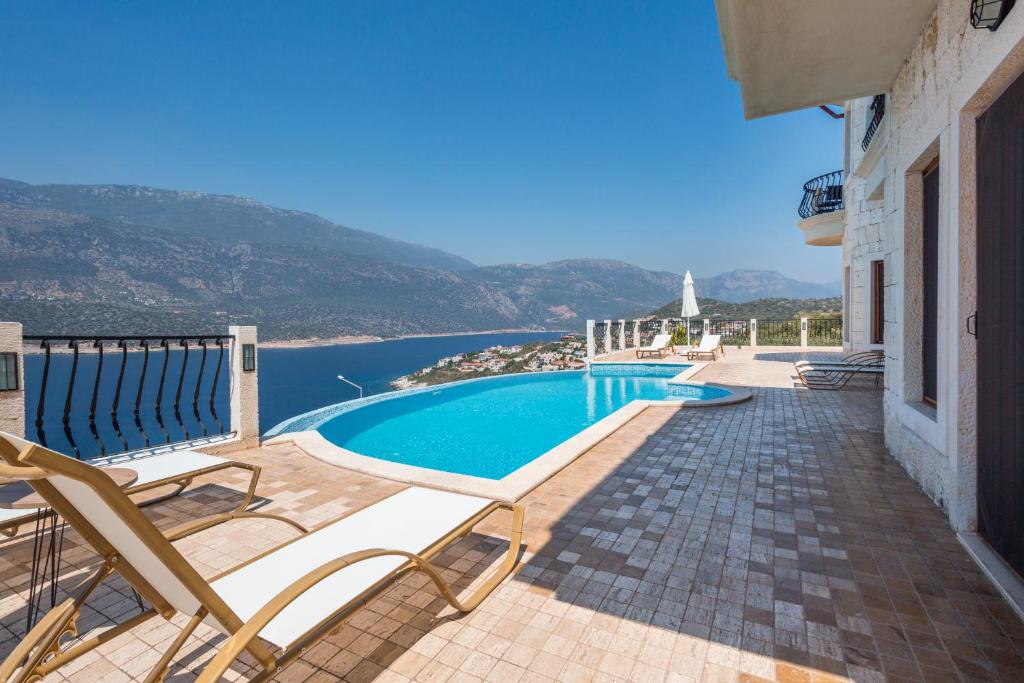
877	111
823	194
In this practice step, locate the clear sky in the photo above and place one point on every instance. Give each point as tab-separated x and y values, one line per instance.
501	131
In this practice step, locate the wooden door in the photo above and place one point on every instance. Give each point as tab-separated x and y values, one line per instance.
1000	325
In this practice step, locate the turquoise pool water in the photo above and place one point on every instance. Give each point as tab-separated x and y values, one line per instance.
492	427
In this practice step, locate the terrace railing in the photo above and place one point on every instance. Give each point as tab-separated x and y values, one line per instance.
823	194
607	337
825	331
99	395
877	112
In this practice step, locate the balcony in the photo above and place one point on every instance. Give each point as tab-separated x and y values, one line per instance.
821	210
877	112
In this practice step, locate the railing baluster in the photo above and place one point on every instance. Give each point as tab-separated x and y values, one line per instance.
123	344
136	413
199	382
160	390
41	408
66	419
177	396
213	389
95	395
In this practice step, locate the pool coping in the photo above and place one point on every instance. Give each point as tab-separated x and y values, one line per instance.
521	481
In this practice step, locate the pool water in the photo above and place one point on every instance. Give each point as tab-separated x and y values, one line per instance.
493	427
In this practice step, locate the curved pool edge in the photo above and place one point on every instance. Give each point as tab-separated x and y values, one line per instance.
509	488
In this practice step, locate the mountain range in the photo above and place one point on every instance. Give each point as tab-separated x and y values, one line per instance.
92	259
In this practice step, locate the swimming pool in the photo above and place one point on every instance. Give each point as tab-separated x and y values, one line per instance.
492	427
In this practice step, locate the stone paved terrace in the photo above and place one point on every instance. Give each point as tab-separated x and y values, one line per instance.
774	540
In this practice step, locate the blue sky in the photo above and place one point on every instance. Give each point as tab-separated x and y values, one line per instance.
501	131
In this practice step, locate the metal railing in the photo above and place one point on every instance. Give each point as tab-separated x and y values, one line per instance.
600	337
100	395
734	332
823	194
824	331
877	111
616	337
649	329
778	332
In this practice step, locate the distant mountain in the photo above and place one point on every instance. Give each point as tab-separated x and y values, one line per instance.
747	285
71	273
92	259
222	218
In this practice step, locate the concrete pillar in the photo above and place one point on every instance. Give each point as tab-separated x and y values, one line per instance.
245	394
803	333
707	326
607	336
590	340
12	383
664	326
622	335
636	334
753	332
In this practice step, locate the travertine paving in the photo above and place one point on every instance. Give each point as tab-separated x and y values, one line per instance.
774	540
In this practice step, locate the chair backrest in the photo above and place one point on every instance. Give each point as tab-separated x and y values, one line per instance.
661	341
112	524
710	342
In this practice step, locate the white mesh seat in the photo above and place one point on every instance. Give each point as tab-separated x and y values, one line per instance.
411	520
161	466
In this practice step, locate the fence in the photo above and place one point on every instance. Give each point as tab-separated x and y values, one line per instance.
609	336
90	396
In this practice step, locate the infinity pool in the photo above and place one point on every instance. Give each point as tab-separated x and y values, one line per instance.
492	427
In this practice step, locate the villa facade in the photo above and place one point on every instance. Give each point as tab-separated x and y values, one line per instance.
928	213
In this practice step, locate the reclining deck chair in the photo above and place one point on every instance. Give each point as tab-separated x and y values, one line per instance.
661	344
710	345
155	469
288	596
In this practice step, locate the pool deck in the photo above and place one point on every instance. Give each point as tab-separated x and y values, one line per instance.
770	540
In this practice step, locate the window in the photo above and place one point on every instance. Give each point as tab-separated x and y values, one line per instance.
877	302
930	287
8	372
248	357
846	304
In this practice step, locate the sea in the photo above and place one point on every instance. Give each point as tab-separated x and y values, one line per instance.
292	381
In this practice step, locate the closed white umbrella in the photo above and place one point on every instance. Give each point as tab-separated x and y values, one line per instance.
689	307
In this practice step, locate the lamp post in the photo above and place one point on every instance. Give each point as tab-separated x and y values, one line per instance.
342	378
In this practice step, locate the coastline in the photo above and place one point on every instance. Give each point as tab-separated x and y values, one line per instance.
369	339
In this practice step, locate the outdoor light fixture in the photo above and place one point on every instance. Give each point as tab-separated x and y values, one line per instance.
248	357
8	372
989	13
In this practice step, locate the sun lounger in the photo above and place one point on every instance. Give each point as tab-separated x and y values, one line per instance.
660	345
875	357
285	598
836	377
710	345
155	469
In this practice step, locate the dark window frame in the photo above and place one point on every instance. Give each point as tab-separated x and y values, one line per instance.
930	284
9	375
878	302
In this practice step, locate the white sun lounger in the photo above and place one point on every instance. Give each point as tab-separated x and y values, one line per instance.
660	345
710	345
155	469
286	598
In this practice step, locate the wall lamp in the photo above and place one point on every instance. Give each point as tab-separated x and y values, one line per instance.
989	13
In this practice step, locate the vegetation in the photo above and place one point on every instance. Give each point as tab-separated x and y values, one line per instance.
762	309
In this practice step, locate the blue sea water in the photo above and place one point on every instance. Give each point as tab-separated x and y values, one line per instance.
492	427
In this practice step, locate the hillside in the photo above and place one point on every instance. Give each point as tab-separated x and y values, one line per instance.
764	309
92	259
738	286
222	218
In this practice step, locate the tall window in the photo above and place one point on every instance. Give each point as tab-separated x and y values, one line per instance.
846	304
877	302
930	286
